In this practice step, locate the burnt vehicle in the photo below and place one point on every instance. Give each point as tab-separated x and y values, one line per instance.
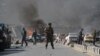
5	38
39	38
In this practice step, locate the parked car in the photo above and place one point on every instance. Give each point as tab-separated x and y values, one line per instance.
72	37
5	38
97	38
2	39
88	38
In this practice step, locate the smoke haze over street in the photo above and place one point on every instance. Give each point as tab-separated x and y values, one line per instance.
66	15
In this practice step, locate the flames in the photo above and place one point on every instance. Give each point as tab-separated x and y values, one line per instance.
29	32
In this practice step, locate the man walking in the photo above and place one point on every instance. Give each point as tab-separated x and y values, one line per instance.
24	37
49	35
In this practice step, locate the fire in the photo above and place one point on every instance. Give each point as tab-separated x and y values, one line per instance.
29	32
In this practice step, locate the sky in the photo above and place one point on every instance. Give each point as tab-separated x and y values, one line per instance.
66	15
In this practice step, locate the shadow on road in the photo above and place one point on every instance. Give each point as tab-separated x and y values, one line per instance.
11	51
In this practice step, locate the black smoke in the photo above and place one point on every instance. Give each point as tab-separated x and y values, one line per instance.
66	15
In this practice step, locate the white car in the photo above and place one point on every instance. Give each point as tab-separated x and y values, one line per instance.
88	38
72	37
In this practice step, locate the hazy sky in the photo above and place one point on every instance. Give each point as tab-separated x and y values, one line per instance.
71	13
62	13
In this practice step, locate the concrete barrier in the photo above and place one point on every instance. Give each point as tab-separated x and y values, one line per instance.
94	50
78	47
97	50
88	49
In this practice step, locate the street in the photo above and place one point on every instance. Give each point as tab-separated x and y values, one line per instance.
39	50
72	24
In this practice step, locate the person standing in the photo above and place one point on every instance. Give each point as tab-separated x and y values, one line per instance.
94	37
49	35
34	35
24	37
80	37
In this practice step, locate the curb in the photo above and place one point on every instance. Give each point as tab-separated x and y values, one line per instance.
89	50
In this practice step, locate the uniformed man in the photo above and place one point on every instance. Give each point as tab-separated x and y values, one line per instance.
80	37
94	37
49	35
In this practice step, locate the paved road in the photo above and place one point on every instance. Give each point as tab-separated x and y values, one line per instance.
39	50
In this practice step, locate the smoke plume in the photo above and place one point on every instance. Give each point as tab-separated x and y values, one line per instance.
66	15
71	15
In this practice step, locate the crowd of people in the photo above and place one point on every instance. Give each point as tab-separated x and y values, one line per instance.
49	34
80	37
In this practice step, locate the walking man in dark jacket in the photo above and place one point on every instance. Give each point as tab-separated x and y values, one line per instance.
24	37
49	35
